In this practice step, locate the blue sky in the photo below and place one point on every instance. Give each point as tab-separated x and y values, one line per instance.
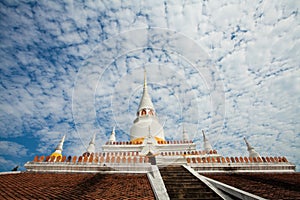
230	68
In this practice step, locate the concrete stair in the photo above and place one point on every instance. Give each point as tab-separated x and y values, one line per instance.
181	184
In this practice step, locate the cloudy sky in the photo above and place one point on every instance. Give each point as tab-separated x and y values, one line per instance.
230	68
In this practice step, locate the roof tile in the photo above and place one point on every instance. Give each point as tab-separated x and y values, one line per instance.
75	185
267	185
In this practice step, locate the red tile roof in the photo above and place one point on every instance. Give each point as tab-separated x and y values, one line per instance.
75	186
266	185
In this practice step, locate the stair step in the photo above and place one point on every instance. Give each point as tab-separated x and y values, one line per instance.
172	170
181	179
168	178
181	184
168	168
193	195
195	198
186	189
176	174
189	190
185	184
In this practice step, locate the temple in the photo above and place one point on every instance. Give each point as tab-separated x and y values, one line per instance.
168	169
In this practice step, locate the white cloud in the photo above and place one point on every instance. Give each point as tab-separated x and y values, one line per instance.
12	149
49	49
7	165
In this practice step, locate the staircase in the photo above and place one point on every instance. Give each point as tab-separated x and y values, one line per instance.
181	184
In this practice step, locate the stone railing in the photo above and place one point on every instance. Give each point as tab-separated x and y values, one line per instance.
236	160
175	142
98	158
187	153
158	142
124	143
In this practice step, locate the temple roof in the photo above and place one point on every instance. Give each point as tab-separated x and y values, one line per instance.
134	186
74	186
266	185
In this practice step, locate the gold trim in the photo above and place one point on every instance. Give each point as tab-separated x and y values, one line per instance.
138	140
56	154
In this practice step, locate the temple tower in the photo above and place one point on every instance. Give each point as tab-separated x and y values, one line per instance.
146	118
251	150
206	144
112	137
91	147
59	148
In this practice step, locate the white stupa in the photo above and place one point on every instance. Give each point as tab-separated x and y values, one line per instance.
112	137
59	148
91	147
206	144
146	118
251	150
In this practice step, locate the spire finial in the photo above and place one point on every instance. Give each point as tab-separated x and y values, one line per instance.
206	143
146	102
249	147
93	139
112	137
61	143
185	136
145	79
204	138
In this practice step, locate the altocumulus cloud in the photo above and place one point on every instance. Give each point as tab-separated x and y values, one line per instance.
10	151
56	55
